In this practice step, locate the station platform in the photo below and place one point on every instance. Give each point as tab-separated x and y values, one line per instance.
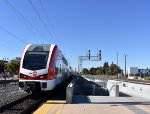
97	105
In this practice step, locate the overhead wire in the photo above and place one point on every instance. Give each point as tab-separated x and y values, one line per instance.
49	22
8	47
40	18
16	12
48	19
13	36
23	19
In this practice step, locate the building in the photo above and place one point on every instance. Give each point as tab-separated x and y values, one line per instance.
135	71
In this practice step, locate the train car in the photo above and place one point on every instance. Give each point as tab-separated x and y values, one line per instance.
42	67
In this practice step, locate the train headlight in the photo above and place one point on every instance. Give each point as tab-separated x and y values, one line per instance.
25	77
43	76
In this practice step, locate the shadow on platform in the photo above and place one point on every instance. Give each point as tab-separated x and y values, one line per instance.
81	99
123	95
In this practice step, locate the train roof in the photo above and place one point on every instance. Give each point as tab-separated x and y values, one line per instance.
39	47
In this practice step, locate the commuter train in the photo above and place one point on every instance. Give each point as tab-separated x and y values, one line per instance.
42	68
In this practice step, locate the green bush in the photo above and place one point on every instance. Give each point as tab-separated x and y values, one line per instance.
146	78
135	77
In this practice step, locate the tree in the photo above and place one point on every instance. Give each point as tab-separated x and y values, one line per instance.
106	68
93	71
85	71
2	66
99	71
114	69
12	67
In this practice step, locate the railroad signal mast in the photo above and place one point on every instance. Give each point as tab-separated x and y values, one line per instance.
88	57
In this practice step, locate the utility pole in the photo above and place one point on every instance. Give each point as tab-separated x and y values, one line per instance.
125	64
117	64
117	58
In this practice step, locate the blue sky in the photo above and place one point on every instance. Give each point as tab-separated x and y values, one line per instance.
113	26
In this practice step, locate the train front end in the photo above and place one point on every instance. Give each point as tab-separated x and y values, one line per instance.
37	68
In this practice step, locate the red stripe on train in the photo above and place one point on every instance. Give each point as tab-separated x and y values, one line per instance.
52	73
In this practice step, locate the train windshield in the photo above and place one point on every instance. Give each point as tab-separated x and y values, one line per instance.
35	60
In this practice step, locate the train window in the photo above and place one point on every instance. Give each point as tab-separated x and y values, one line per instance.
35	60
38	48
60	67
64	61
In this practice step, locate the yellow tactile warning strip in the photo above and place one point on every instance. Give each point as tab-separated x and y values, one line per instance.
43	109
60	109
56	102
56	109
50	107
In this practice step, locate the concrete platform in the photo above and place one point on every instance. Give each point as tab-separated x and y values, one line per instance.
78	99
97	105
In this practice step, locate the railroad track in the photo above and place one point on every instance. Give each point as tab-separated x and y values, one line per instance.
25	105
8	81
144	82
28	104
12	106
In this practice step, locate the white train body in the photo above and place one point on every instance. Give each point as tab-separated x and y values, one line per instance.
42	67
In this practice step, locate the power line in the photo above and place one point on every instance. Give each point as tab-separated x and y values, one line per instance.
45	26
48	19
45	13
16	12
23	19
8	47
13	36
